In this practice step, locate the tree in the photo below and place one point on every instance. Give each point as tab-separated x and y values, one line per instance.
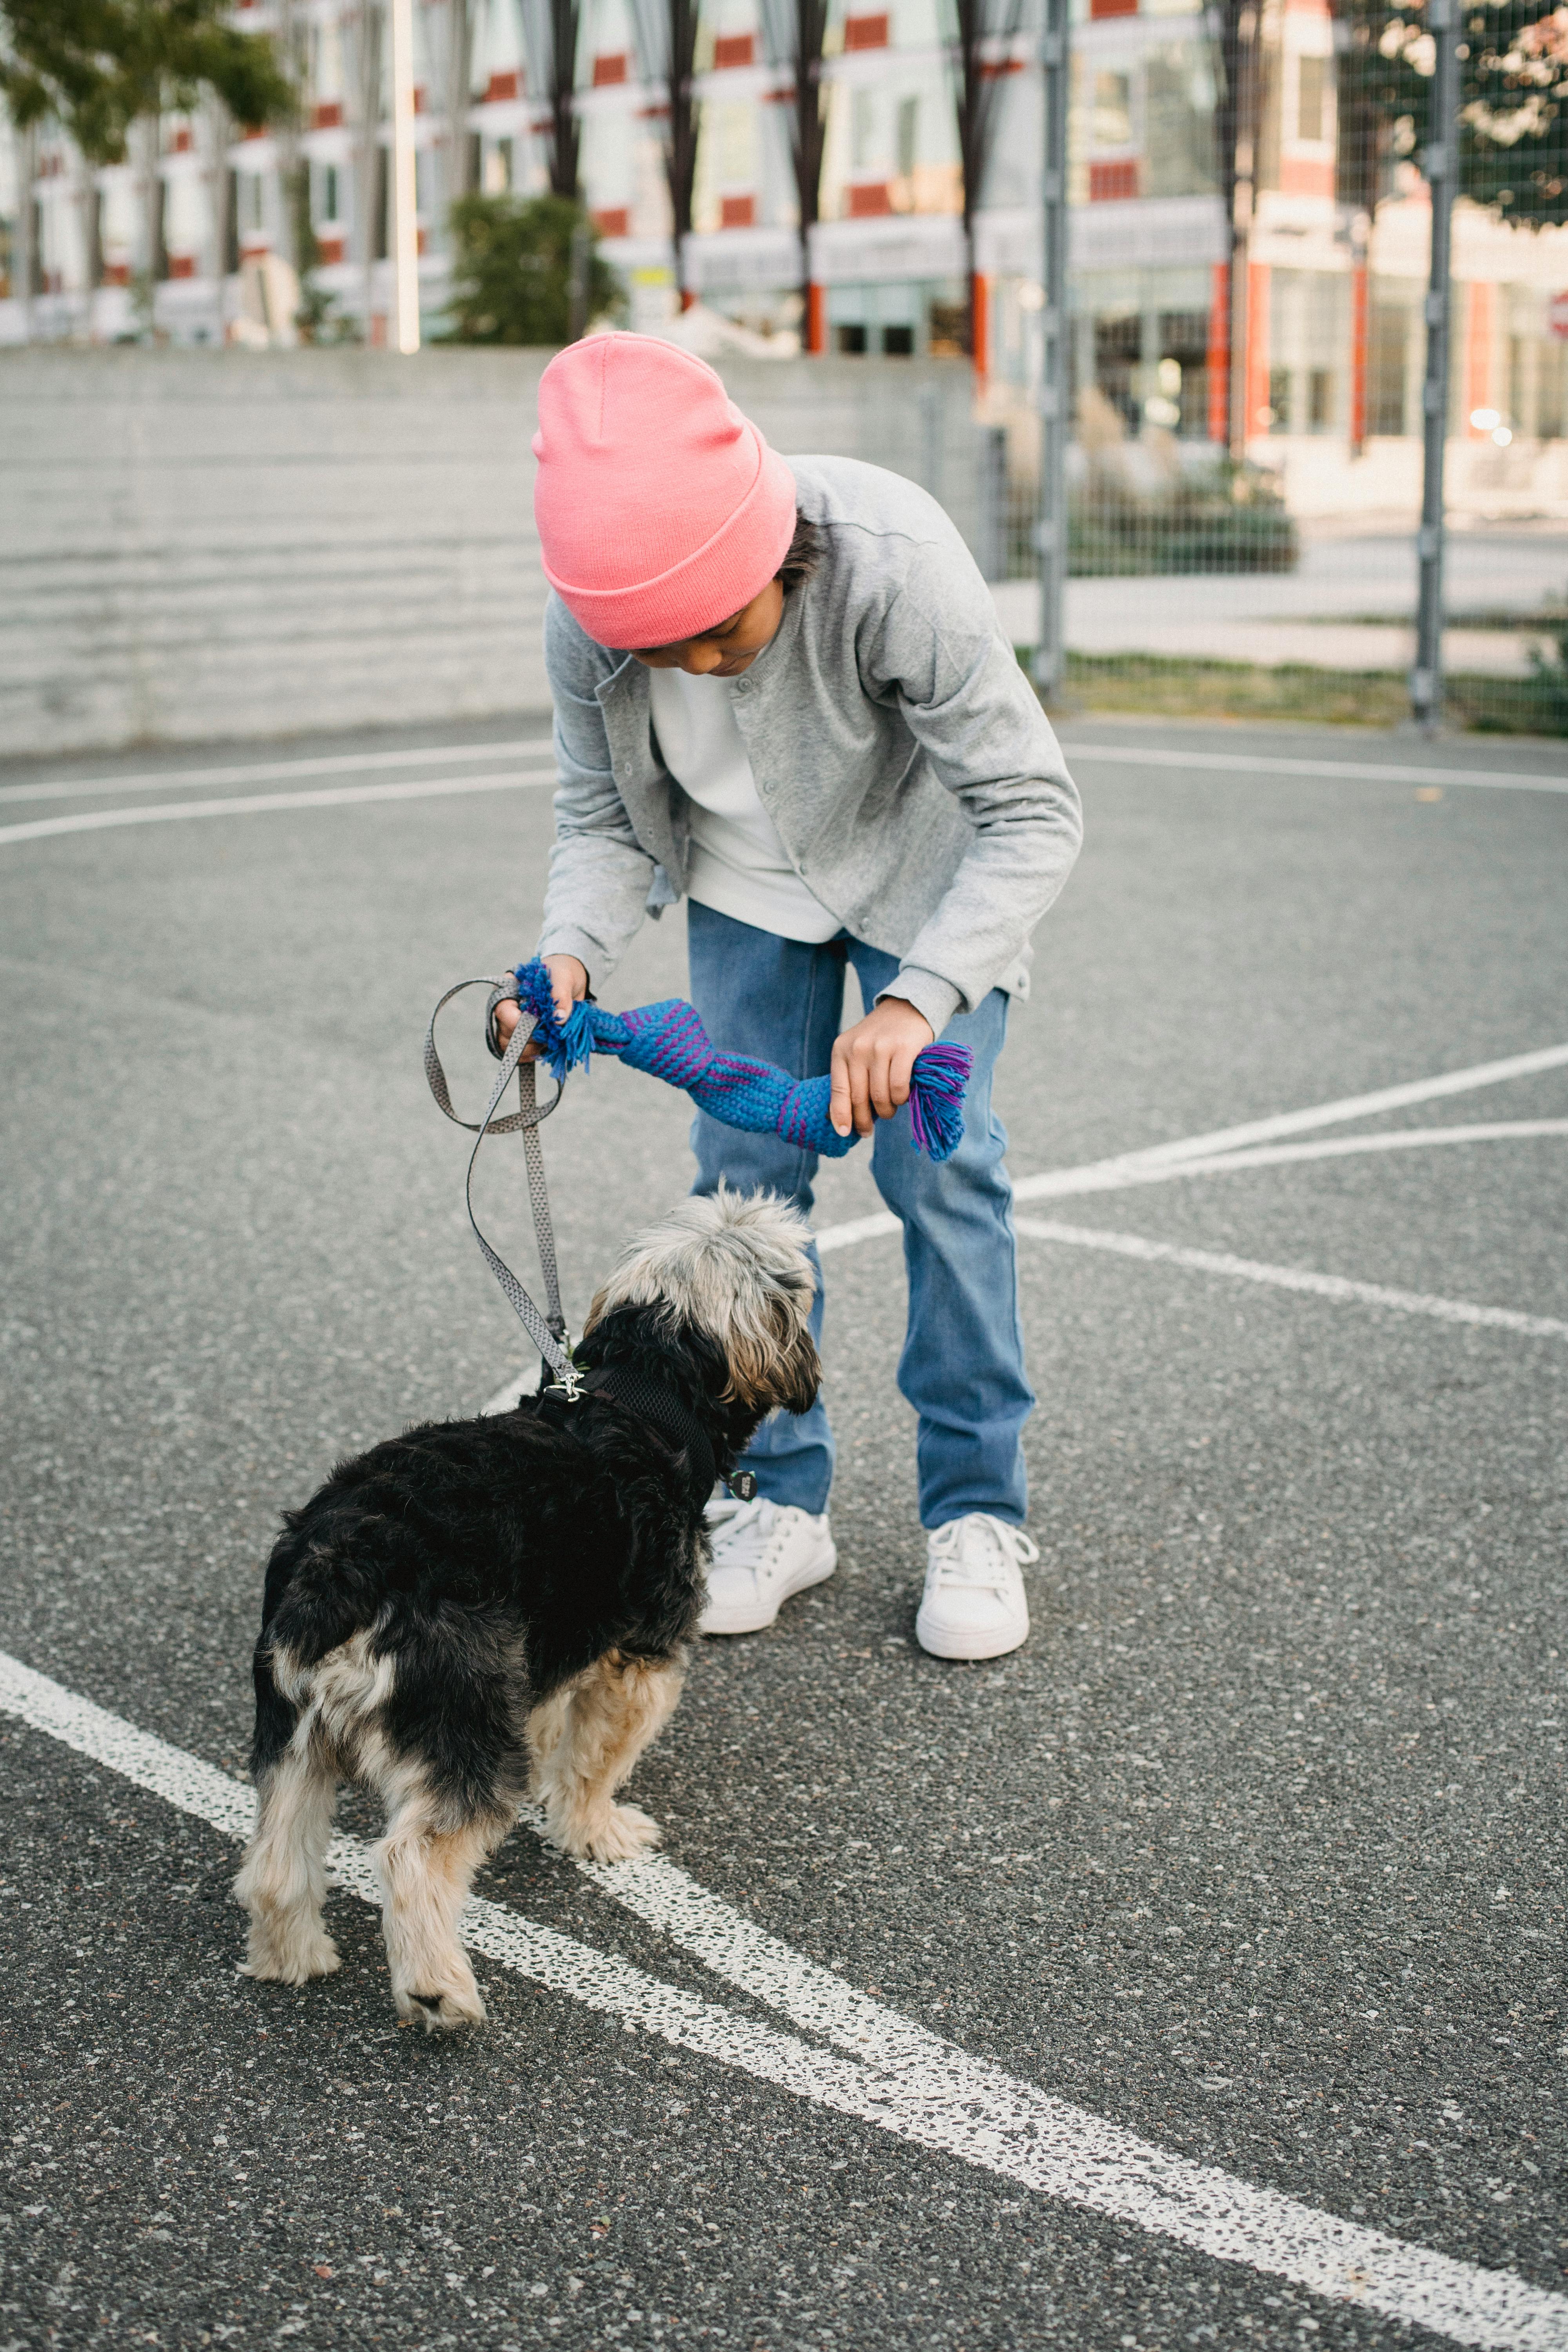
99	65
512	271
797	31
667	34
1513	102
552	30
985	27
1513	111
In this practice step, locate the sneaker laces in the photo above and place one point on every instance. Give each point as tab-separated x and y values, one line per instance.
742	1534
979	1553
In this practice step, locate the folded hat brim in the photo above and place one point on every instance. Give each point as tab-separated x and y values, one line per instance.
709	586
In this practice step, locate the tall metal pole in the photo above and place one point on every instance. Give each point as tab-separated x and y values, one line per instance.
405	186
1051	530
1441	165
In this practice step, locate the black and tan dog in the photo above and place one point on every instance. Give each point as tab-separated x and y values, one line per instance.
479	1611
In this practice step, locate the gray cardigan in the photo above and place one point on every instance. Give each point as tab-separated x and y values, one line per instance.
896	744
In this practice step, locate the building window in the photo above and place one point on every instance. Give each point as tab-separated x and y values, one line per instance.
1388	351
909	135
734	49
862	127
1280	399
329	192
1320	399
866	32
1311	92
737	212
1118	356
898	342
1110	123
850	339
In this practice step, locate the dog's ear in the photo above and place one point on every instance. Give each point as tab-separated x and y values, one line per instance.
803	1368
772	1361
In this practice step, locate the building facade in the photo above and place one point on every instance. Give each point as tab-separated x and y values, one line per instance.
204	233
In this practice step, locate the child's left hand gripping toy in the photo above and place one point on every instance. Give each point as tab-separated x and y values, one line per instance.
670	1042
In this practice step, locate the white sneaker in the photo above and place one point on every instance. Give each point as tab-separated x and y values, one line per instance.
973	1605
762	1552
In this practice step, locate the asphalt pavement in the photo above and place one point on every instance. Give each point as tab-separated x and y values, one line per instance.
1254	1852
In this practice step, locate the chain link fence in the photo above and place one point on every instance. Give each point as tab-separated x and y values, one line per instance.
1249	415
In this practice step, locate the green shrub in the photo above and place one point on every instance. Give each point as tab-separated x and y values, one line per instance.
1226	519
511	271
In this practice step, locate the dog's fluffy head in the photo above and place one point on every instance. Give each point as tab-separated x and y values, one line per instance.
732	1265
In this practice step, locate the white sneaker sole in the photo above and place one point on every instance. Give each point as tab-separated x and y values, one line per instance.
739	1619
941	1642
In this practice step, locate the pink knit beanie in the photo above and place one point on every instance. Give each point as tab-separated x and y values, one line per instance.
661	510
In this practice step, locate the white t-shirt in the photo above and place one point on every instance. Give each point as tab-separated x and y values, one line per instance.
738	864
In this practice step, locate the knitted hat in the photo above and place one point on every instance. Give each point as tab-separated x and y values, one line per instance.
661	510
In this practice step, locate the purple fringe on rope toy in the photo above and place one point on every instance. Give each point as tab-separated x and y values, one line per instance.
670	1042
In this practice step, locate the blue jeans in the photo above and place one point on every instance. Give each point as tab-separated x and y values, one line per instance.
963	1363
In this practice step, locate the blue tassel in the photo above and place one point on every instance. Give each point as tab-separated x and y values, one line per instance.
937	1083
565	1044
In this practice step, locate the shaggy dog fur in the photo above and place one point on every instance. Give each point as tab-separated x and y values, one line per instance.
482	1611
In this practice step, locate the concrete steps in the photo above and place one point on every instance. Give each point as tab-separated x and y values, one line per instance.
204	544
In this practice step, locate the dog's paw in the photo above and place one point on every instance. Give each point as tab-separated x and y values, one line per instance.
618	1834
443	2012
276	1957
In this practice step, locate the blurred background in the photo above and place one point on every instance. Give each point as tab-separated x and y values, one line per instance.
277	281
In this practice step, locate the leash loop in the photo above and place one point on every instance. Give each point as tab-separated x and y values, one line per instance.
547	1331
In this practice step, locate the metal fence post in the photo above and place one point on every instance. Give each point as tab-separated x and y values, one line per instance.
1441	164
1051	530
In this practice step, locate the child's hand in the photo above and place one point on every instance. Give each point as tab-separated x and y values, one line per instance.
871	1064
569	983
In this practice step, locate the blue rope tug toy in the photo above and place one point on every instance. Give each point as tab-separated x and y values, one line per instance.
670	1042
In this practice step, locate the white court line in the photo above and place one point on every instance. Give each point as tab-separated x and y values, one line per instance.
267	804
1096	1175
1291	1278
1140	755
1297	1122
1114	1178
898	2077
1117	1177
271	771
1123	1175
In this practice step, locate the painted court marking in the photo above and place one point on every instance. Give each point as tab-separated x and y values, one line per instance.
1252	1144
1227	1149
1301	1122
267	804
1283	1155
1290	1278
271	771
893	2075
1140	755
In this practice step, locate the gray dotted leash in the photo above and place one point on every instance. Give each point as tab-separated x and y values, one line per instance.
548	1331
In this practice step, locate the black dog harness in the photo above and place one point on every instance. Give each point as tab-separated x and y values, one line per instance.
650	1399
